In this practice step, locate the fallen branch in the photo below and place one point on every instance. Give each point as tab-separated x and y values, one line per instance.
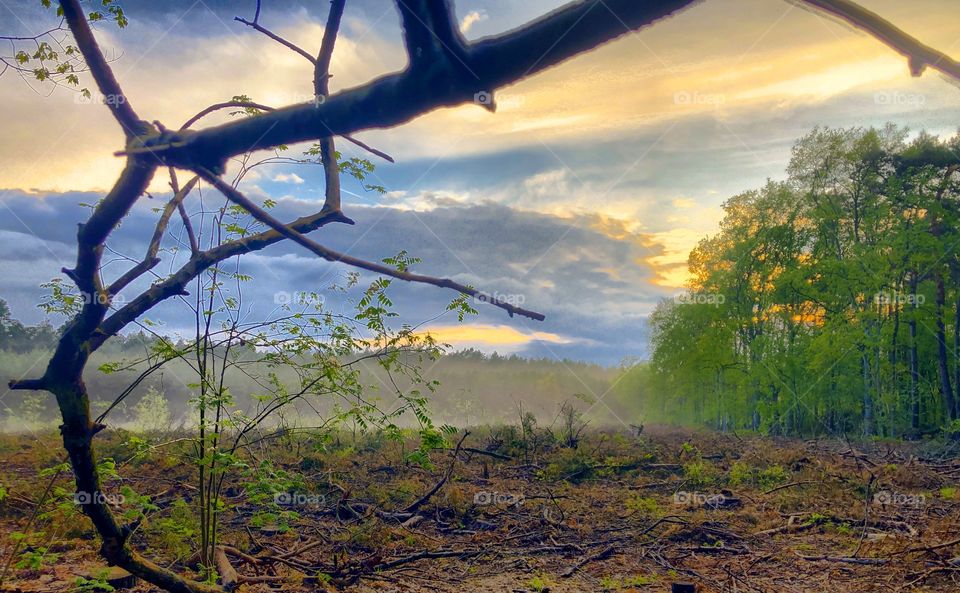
790	485
845	559
425	555
446	476
947	544
493	454
601	555
228	574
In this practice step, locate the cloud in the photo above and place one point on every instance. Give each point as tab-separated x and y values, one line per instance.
171	67
770	61
489	338
472	18
288	178
591	276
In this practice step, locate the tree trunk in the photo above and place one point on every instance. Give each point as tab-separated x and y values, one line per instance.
868	427
956	349
78	432
946	389
914	362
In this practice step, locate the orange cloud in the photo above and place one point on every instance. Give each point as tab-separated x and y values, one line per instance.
503	338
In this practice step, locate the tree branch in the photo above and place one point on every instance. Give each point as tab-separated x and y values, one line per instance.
176	284
115	99
184	217
275	37
412	508
321	70
223	105
150	260
368	148
920	56
27	384
430	33
333	256
397	98
321	88
261	107
91	235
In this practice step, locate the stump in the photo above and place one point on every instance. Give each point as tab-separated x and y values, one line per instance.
114	576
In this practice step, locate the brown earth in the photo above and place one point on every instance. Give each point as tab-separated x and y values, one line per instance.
618	513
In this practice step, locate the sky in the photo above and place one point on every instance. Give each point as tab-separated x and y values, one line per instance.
579	198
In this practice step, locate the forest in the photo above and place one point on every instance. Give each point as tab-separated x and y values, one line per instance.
828	303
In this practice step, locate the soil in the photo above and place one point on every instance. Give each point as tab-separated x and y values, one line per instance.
619	512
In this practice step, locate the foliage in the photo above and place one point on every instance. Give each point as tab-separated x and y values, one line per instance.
153	412
645	506
48	58
97	583
539	583
828	303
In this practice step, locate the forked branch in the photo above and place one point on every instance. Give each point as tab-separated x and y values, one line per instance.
102	74
328	254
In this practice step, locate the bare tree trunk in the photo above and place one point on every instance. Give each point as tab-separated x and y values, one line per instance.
868	423
946	389
956	348
914	362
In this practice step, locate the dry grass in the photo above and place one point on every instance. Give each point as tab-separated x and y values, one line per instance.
619	513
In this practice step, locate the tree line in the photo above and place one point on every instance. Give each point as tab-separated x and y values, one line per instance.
827	303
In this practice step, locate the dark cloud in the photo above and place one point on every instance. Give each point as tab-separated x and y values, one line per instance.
594	288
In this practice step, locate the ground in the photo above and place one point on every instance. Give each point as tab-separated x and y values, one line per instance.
519	512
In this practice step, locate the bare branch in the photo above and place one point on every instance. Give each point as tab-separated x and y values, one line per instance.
321	88
321	70
118	103
262	107
430	32
184	217
334	256
150	260
224	105
397	98
412	508
27	384
275	37
920	56
368	148
176	283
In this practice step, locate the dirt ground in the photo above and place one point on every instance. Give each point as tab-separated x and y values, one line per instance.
619	512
